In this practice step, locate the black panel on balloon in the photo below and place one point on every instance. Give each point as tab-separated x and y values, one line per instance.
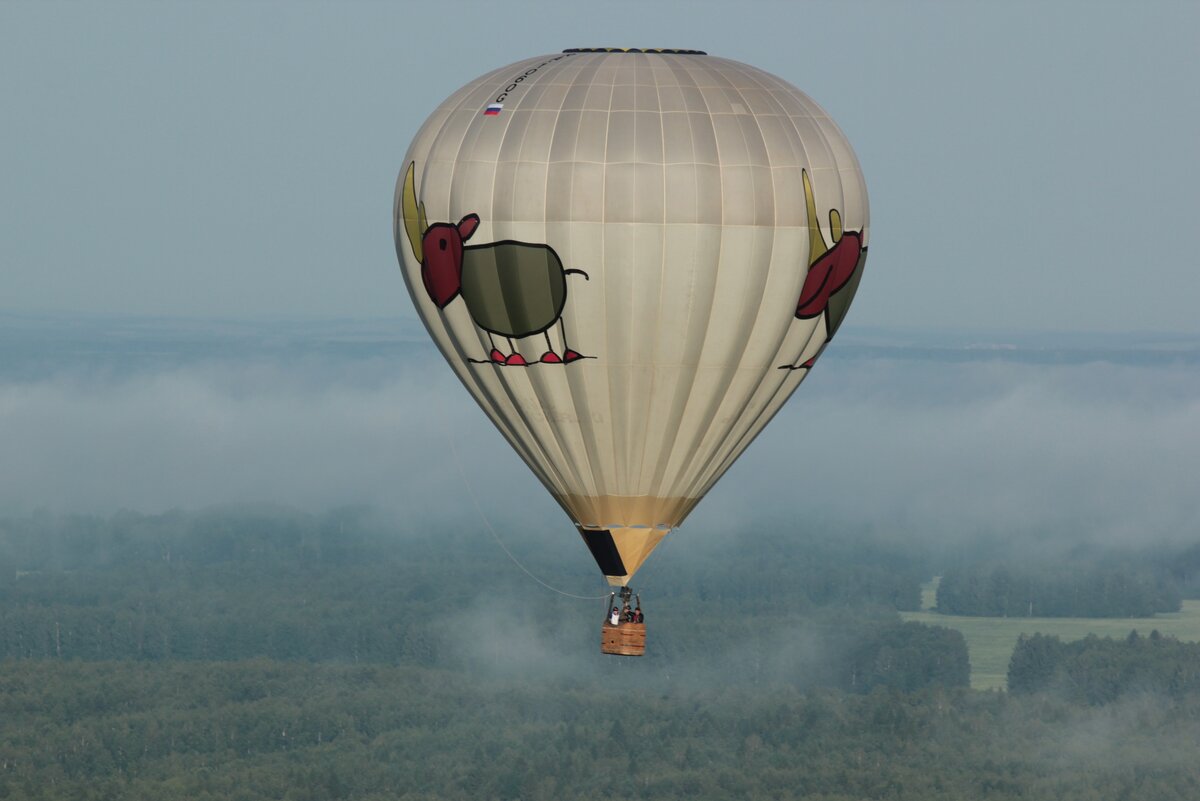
604	551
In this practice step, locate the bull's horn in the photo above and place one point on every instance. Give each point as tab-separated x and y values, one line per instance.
414	213
816	242
835	224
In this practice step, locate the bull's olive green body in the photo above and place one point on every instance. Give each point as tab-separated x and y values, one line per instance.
513	289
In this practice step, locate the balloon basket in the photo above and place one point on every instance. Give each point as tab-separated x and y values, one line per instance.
624	639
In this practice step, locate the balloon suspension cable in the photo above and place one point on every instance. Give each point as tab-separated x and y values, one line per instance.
488	524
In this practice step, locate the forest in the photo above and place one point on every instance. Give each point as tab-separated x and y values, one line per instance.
262	653
238	585
1069	589
1099	670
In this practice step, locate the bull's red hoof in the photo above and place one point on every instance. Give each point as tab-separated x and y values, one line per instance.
515	360
550	357
497	356
571	356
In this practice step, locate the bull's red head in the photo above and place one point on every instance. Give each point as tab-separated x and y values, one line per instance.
441	267
439	247
830	268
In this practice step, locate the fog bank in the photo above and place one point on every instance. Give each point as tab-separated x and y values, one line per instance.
960	441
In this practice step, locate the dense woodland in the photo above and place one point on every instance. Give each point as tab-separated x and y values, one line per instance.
1182	567
1099	670
1069	589
265	729
266	654
345	587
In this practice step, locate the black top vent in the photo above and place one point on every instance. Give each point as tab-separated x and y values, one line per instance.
635	50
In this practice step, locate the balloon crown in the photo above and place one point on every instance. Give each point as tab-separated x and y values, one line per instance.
670	50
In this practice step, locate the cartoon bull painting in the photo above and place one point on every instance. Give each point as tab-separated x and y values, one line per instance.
512	289
833	273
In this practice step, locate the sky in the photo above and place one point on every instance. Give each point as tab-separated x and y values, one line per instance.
1031	166
189	189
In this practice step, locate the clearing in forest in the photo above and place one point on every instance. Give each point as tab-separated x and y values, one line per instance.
990	640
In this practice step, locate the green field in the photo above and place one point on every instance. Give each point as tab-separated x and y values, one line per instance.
990	640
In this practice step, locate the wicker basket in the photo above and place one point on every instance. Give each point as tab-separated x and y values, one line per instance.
625	639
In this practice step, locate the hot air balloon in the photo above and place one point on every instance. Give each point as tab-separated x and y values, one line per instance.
631	259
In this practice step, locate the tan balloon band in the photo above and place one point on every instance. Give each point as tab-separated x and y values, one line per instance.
621	531
619	552
626	511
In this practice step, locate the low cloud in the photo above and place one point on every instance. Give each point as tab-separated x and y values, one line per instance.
1102	452
228	432
499	637
932	448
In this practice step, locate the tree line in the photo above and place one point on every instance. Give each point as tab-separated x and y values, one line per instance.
1100	670
1063	590
346	587
265	654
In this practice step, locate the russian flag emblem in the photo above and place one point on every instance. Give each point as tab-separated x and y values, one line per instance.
493	109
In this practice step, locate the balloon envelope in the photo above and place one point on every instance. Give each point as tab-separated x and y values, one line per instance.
631	260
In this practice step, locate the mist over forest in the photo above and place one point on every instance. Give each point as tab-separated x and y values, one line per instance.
930	435
239	559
